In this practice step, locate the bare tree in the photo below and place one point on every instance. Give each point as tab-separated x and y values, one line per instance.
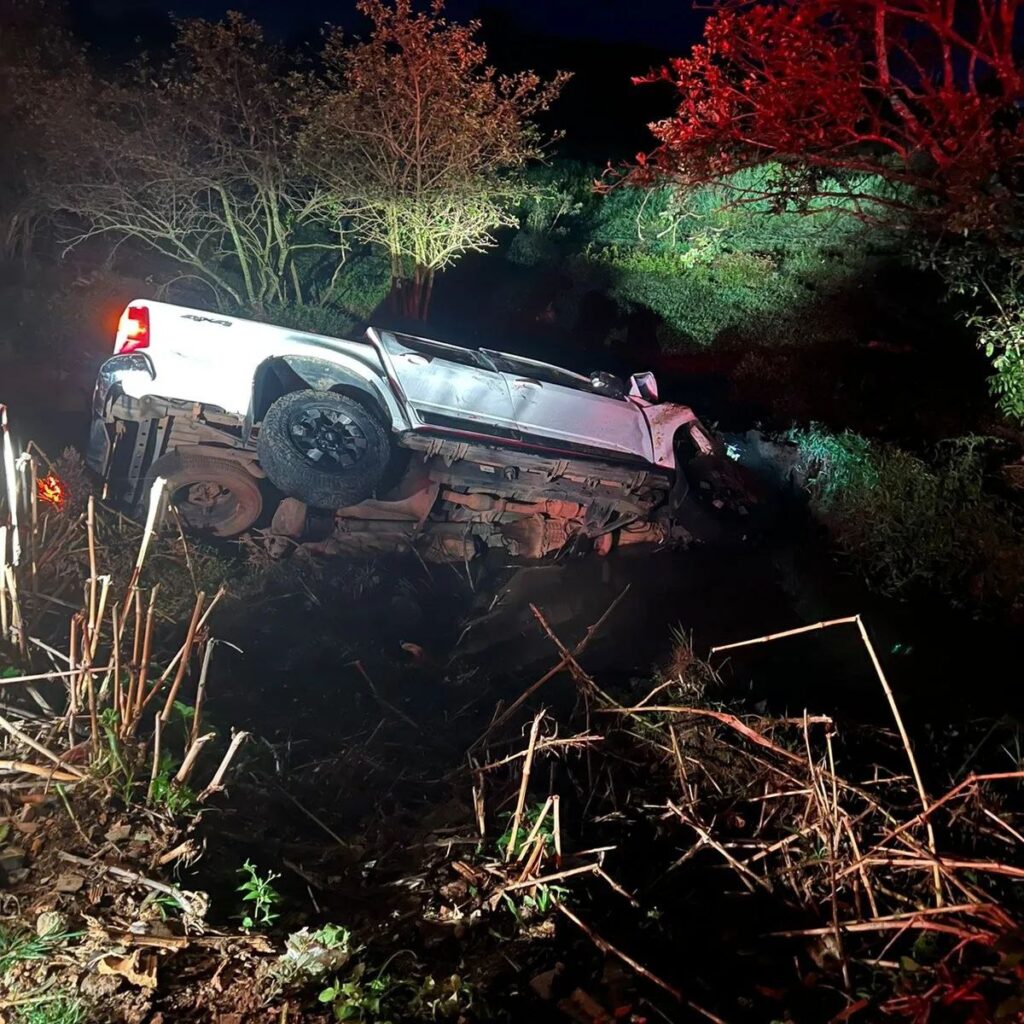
197	160
420	141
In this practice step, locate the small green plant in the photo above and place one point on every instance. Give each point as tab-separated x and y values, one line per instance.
60	1009
259	892
171	796
112	762
313	954
448	999
540	904
21	945
360	999
529	818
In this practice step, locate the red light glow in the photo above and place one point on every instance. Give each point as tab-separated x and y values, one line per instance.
51	490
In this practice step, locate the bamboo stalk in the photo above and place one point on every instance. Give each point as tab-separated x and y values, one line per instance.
197	712
527	842
918	782
90	530
768	637
17	623
37	677
557	827
39	748
172	664
94	725
188	763
217	782
37	769
101	611
11	482
155	770
156	493
190	636
524	782
33	536
115	652
147	642
4	620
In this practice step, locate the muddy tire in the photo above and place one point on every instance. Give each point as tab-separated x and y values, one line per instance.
323	448
214	496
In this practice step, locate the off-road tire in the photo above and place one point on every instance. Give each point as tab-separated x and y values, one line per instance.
297	475
214	496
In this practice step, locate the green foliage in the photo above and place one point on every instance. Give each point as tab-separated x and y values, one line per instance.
311	954
384	997
979	270
1001	338
59	1009
113	762
538	904
359	285
173	797
21	945
447	999
718	265
910	522
531	812
259	892
359	998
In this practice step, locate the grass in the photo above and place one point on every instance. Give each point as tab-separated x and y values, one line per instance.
21	945
60	1009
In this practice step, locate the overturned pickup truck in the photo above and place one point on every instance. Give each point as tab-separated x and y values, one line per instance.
393	442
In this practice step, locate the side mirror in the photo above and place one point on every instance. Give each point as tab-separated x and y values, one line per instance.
645	386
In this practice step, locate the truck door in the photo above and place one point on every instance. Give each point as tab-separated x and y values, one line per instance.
555	404
449	387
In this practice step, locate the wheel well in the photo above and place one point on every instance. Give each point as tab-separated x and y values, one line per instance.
365	398
276	378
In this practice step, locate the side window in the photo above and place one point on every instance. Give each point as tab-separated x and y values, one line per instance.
438	350
543	372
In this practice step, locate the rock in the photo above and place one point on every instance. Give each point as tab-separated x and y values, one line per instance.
69	882
12	859
289	519
51	922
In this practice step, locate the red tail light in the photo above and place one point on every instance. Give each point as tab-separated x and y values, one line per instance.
133	331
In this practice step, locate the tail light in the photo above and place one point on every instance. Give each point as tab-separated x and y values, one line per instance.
133	330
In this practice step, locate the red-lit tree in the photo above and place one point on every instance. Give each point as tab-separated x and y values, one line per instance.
924	93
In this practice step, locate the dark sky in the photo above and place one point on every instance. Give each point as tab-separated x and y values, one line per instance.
603	42
656	23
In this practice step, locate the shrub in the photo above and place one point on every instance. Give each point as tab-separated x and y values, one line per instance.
909	522
716	265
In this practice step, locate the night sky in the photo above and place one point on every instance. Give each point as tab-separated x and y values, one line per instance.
603	42
655	23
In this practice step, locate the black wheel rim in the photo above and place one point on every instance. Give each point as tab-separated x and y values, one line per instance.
327	438
205	504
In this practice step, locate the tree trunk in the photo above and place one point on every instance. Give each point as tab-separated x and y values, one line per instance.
410	296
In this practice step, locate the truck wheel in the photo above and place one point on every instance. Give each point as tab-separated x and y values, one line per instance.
323	448
213	496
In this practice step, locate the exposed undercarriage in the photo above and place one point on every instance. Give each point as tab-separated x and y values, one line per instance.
455	500
449	500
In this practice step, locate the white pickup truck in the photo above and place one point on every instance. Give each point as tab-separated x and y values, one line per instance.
391	441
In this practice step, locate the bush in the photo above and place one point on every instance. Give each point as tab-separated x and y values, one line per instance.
910	522
716	266
361	285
